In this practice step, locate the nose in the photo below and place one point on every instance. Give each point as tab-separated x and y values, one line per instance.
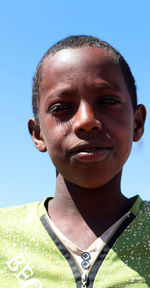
85	120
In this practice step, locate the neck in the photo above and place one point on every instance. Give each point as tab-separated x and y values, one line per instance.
73	203
82	214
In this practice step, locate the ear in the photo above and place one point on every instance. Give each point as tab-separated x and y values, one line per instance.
36	135
139	120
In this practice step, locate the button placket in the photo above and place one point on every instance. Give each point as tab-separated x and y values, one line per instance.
86	257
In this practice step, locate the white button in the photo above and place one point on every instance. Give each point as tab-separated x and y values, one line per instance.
85	264
85	256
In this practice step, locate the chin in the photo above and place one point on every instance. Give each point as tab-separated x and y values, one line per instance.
96	181
89	184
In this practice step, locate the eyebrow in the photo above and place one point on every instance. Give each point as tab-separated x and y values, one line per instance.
67	90
107	85
61	92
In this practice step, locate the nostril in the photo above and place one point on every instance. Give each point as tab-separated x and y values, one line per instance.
94	128
80	129
87	128
87	125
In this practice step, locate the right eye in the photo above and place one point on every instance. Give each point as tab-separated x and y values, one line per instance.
60	108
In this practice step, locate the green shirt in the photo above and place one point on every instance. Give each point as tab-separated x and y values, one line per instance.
31	256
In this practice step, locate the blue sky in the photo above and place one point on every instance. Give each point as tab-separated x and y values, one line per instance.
27	30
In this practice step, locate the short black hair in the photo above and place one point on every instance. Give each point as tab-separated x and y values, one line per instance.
77	42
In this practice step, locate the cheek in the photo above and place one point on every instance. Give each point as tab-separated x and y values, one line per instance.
123	137
55	136
121	123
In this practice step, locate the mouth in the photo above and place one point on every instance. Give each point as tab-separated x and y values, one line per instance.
91	153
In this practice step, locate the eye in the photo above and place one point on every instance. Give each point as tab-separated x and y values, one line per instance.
60	108
109	101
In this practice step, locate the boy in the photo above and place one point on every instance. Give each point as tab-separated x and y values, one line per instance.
86	116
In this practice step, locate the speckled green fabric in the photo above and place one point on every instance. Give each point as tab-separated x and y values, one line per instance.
128	262
30	259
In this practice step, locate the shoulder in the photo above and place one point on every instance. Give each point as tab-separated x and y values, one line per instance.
14	210
140	208
145	210
142	219
17	215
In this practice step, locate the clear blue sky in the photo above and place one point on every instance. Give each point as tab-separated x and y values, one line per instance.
27	30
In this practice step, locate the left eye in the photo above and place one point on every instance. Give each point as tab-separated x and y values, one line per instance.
109	101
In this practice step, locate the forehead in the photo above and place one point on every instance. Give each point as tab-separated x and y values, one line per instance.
77	56
84	65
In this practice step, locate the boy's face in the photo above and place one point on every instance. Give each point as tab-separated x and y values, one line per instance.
87	122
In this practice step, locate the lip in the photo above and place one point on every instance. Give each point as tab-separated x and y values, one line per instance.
91	153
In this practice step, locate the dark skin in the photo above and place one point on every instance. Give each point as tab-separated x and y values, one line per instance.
87	125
